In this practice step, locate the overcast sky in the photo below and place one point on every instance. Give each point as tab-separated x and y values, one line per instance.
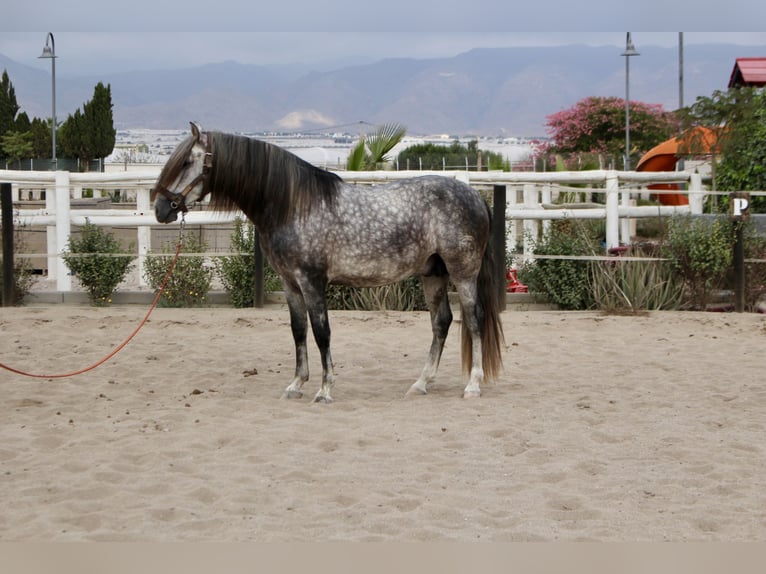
390	15
98	36
85	53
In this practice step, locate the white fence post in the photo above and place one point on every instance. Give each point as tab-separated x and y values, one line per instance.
63	229
696	195
143	205
547	197
50	232
531	226
612	210
512	234
625	221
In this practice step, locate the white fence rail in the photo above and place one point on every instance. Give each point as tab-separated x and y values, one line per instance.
537	190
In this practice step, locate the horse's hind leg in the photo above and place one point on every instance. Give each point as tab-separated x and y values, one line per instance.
472	317
299	326
435	288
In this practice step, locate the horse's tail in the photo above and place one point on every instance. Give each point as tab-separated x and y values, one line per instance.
488	315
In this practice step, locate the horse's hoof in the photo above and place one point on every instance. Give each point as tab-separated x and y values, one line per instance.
415	391
323	399
471	394
292	395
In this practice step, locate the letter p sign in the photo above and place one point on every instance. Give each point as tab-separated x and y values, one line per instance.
739	206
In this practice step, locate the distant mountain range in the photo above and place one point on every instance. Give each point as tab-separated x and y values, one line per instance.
499	91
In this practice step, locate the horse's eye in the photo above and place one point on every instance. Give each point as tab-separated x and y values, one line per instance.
187	163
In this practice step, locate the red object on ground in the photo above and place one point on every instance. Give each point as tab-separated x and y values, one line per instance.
617	251
512	283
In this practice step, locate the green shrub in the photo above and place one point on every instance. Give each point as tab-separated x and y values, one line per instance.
405	295
700	254
94	260
634	286
190	281
237	271
564	281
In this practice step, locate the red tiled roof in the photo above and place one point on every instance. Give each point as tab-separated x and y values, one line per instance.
748	72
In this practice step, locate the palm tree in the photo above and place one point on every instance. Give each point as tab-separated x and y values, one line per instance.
372	151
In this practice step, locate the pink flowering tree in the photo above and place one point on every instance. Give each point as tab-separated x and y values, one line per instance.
595	127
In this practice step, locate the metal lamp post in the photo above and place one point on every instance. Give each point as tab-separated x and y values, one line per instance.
49	51
630	50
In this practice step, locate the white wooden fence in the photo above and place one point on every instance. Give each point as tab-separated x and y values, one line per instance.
537	191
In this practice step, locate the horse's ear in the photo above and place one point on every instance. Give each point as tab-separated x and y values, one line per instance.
196	130
199	136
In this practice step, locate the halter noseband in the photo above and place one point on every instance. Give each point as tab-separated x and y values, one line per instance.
178	200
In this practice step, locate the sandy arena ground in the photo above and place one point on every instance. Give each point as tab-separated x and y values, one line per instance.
603	428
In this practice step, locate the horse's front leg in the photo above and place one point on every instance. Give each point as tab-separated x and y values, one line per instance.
320	325
299	326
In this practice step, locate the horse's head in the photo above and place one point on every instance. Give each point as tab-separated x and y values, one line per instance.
184	178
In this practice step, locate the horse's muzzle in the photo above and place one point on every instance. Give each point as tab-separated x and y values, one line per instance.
165	211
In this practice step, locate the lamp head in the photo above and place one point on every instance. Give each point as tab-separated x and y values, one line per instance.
630	49
49	50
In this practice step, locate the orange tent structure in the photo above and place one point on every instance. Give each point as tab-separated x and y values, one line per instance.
663	157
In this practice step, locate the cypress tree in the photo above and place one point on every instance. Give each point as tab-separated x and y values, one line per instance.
41	138
9	107
90	134
70	136
100	122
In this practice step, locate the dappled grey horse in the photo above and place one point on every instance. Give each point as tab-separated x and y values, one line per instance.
317	229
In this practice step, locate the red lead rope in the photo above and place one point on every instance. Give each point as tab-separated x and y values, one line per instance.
119	347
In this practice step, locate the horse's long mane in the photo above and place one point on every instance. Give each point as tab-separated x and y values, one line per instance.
264	180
